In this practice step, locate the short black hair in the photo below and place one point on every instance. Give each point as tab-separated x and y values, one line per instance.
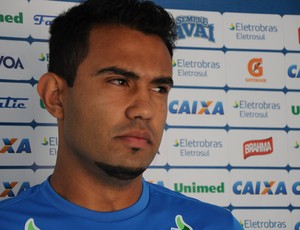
69	32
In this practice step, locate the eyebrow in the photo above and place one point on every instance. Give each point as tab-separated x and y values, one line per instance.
159	80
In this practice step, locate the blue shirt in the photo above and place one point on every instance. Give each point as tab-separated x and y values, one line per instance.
158	208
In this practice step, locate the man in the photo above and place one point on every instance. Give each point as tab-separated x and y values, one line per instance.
108	81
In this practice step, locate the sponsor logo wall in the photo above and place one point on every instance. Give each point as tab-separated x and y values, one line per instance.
232	136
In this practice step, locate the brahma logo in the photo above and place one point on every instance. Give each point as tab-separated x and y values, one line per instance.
259	188
258	147
194	26
21	146
9	186
196	107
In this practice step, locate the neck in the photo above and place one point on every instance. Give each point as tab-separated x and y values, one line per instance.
95	191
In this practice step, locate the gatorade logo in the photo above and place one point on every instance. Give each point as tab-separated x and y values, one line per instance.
255	67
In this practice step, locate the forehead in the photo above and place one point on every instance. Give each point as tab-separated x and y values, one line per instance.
121	46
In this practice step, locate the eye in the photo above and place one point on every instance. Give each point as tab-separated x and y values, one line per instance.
121	82
161	89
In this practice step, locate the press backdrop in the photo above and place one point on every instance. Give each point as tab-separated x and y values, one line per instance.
232	136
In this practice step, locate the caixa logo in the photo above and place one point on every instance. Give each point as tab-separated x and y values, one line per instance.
293	71
14	145
297	226
296	188
259	188
10	188
194	26
196	107
10	62
13	103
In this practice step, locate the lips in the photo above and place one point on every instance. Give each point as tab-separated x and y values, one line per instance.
136	138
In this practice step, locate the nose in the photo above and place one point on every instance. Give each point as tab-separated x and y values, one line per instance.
140	107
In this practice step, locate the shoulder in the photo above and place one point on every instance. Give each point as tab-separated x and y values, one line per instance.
26	195
195	210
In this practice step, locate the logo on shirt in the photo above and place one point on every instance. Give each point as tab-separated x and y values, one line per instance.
180	223
30	225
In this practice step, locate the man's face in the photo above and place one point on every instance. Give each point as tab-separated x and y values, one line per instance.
115	113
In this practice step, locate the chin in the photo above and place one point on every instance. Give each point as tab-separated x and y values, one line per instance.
121	172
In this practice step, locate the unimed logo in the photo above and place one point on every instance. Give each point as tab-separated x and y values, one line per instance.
196	107
10	188
8	18
296	109
196	188
194	26
257	147
259	188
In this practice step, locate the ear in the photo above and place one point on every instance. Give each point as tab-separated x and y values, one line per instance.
50	88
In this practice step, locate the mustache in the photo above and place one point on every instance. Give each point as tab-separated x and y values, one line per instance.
135	125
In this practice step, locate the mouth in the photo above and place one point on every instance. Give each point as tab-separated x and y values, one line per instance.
136	139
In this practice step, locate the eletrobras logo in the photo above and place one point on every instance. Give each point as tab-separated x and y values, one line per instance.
51	142
255	109
194	26
257	147
190	68
253	30
262	219
196	148
250	31
263	224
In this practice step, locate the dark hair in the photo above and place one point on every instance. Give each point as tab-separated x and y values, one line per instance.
69	32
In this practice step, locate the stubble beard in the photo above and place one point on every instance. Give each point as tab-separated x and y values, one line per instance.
121	172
